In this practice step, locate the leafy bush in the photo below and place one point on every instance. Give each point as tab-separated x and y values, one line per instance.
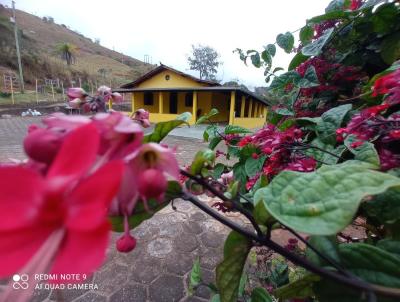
327	159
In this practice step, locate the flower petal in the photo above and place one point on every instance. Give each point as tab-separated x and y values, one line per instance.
89	202
18	247
82	252
76	155
20	197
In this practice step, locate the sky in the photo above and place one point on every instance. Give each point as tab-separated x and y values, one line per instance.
166	29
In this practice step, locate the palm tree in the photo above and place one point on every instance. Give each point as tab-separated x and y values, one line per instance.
68	52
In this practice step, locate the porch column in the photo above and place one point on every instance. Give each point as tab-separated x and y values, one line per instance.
133	102
250	108
232	108
260	111
243	104
160	102
265	111
194	113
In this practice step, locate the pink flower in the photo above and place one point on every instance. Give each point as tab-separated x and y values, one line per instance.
75	103
117	97
104	90
120	136
57	223
142	117
76	92
144	179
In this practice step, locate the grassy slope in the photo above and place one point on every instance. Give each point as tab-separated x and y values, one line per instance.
38	43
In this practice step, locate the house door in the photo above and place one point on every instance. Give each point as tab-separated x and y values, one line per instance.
173	103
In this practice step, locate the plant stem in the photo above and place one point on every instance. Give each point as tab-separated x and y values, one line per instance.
221	196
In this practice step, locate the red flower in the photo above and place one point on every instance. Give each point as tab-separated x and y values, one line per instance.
357	144
58	222
384	84
355	4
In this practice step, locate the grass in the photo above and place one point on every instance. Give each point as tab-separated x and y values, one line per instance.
29	97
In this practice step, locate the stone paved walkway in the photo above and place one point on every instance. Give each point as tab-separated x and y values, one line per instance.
168	243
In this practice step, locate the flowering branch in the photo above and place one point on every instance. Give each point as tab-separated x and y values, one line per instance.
353	282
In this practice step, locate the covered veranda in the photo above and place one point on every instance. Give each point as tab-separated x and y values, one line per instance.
235	105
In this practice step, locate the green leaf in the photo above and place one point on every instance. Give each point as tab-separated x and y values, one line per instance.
335	5
206	117
254	165
390	48
211	131
289	122
239	173
261	214
218	170
384	17
297	60
391	246
384	207
215	298
285	41
203	158
306	34
330	121
233	129
276	69
366	152
162	129
315	48
284	111
280	82
174	190
230	270
256	60
266	56
310	78
214	142
259	294
195	276
371	263
326	246
271	48
299	289
242	285
324	157
333	15
322	202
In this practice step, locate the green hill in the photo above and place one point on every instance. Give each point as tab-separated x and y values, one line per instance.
39	38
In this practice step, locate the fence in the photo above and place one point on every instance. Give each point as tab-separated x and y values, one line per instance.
55	89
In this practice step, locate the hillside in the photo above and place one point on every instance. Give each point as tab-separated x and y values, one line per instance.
38	42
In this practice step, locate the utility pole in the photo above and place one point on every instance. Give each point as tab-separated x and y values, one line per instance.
21	77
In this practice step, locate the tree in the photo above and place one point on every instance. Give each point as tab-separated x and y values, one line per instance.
205	60
68	52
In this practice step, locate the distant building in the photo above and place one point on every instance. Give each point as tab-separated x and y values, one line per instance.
166	92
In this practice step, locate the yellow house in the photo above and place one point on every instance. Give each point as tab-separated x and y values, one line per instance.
166	93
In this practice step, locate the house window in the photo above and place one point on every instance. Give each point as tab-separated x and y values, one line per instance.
148	99
167	77
189	99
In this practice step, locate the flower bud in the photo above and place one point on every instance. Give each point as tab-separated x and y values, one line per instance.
76	92
42	145
126	243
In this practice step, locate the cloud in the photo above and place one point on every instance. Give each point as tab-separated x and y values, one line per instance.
165	30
